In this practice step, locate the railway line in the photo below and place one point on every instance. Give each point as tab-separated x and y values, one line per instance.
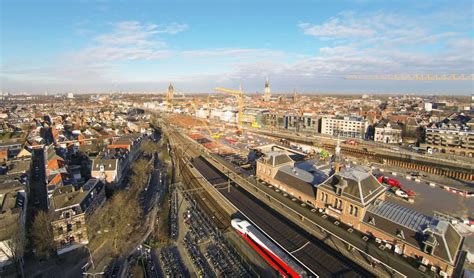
309	251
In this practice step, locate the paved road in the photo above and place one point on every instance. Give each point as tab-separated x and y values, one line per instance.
313	253
429	199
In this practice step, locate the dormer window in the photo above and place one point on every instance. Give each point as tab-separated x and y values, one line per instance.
372	221
430	243
400	234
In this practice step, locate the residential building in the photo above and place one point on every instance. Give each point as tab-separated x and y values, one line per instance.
13	203
450	136
71	209
388	132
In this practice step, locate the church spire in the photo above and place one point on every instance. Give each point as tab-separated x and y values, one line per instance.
266	95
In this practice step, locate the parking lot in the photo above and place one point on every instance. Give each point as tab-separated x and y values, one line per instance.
170	260
207	248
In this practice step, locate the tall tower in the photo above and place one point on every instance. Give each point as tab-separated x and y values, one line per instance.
336	161
266	95
170	94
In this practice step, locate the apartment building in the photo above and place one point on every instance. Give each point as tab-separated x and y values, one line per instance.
348	126
452	137
71	211
307	123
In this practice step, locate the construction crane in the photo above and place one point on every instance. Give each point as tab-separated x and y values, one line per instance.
240	100
415	77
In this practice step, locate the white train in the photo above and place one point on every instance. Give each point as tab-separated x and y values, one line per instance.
273	254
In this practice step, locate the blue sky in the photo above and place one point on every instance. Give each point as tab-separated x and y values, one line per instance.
308	46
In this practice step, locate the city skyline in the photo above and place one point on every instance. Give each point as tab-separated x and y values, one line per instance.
309	46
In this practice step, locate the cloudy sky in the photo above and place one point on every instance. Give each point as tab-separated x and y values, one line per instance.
307	46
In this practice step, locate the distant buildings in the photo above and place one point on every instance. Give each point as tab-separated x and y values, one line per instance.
266	95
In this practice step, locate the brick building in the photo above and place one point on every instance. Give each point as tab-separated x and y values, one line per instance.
355	197
72	208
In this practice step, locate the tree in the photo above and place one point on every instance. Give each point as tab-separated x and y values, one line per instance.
14	247
120	217
141	167
148	147
42	234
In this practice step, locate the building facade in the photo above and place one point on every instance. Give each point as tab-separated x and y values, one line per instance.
72	208
355	197
388	132
450	139
355	127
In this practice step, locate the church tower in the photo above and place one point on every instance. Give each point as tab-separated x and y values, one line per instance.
266	95
170	94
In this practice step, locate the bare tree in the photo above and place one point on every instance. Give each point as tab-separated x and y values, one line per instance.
122	215
14	247
42	234
149	147
141	167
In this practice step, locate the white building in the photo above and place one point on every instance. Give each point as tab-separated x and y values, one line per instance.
344	126
387	132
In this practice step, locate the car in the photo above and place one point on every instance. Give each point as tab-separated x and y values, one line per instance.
401	193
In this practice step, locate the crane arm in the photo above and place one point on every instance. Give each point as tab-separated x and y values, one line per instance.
229	91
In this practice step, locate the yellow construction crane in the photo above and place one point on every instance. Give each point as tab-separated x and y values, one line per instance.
240	100
417	77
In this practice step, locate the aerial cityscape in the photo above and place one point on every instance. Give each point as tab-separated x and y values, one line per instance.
237	138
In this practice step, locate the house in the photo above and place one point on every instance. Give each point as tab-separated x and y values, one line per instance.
72	209
13	203
109	170
388	132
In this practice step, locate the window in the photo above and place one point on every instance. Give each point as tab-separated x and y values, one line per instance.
351	208
69	227
78	224
372	221
400	234
356	211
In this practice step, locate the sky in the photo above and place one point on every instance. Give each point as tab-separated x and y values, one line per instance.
305	46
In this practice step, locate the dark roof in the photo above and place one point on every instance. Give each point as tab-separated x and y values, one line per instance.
276	158
362	187
415	228
296	183
93	187
384	123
